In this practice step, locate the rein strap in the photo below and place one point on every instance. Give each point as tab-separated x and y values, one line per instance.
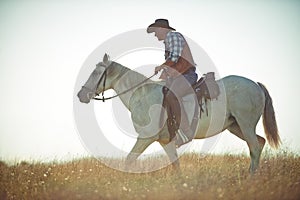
107	98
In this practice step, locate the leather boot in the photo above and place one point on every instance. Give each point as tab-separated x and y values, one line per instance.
185	133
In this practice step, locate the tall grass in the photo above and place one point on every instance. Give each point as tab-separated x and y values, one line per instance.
201	177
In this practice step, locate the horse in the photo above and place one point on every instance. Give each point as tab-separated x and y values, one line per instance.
238	108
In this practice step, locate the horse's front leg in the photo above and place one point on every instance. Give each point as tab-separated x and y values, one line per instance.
140	145
171	151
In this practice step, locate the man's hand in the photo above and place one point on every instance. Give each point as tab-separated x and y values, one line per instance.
158	68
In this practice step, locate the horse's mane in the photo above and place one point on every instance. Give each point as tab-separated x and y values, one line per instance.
123	70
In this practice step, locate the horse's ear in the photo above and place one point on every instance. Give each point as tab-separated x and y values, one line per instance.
106	59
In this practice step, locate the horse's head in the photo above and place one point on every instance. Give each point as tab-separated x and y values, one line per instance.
100	80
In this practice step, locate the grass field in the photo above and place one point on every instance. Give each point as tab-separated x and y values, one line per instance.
209	177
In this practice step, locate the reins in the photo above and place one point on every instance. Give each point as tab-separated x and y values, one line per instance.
107	98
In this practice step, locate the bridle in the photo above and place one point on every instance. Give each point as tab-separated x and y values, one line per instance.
103	77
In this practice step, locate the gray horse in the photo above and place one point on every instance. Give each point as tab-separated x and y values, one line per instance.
238	109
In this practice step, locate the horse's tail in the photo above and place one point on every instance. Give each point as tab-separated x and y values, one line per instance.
269	120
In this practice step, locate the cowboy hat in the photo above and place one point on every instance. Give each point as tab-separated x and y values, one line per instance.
159	23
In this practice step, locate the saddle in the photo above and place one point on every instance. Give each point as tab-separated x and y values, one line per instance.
206	88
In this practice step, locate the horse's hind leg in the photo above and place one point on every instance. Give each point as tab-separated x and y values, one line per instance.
235	129
255	144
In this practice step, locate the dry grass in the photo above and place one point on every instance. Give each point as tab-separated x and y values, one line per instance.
210	177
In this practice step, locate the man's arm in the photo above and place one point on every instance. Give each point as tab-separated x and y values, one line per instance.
165	65
174	45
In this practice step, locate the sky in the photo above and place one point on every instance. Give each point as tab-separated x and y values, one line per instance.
44	44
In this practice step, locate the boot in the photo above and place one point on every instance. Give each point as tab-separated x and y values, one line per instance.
183	138
185	134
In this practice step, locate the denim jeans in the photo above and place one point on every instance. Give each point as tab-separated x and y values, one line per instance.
191	76
182	84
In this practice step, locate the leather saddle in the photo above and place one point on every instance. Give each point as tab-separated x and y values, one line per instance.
206	88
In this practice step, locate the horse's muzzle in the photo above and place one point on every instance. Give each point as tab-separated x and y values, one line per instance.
84	97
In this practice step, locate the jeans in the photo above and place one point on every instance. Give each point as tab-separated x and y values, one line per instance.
181	85
191	76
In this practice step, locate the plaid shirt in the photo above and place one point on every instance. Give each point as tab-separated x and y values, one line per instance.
174	44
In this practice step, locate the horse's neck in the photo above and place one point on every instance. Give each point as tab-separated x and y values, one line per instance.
126	80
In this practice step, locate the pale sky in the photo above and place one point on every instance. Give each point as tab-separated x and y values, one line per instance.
43	46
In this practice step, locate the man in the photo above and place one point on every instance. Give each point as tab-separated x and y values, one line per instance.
179	73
